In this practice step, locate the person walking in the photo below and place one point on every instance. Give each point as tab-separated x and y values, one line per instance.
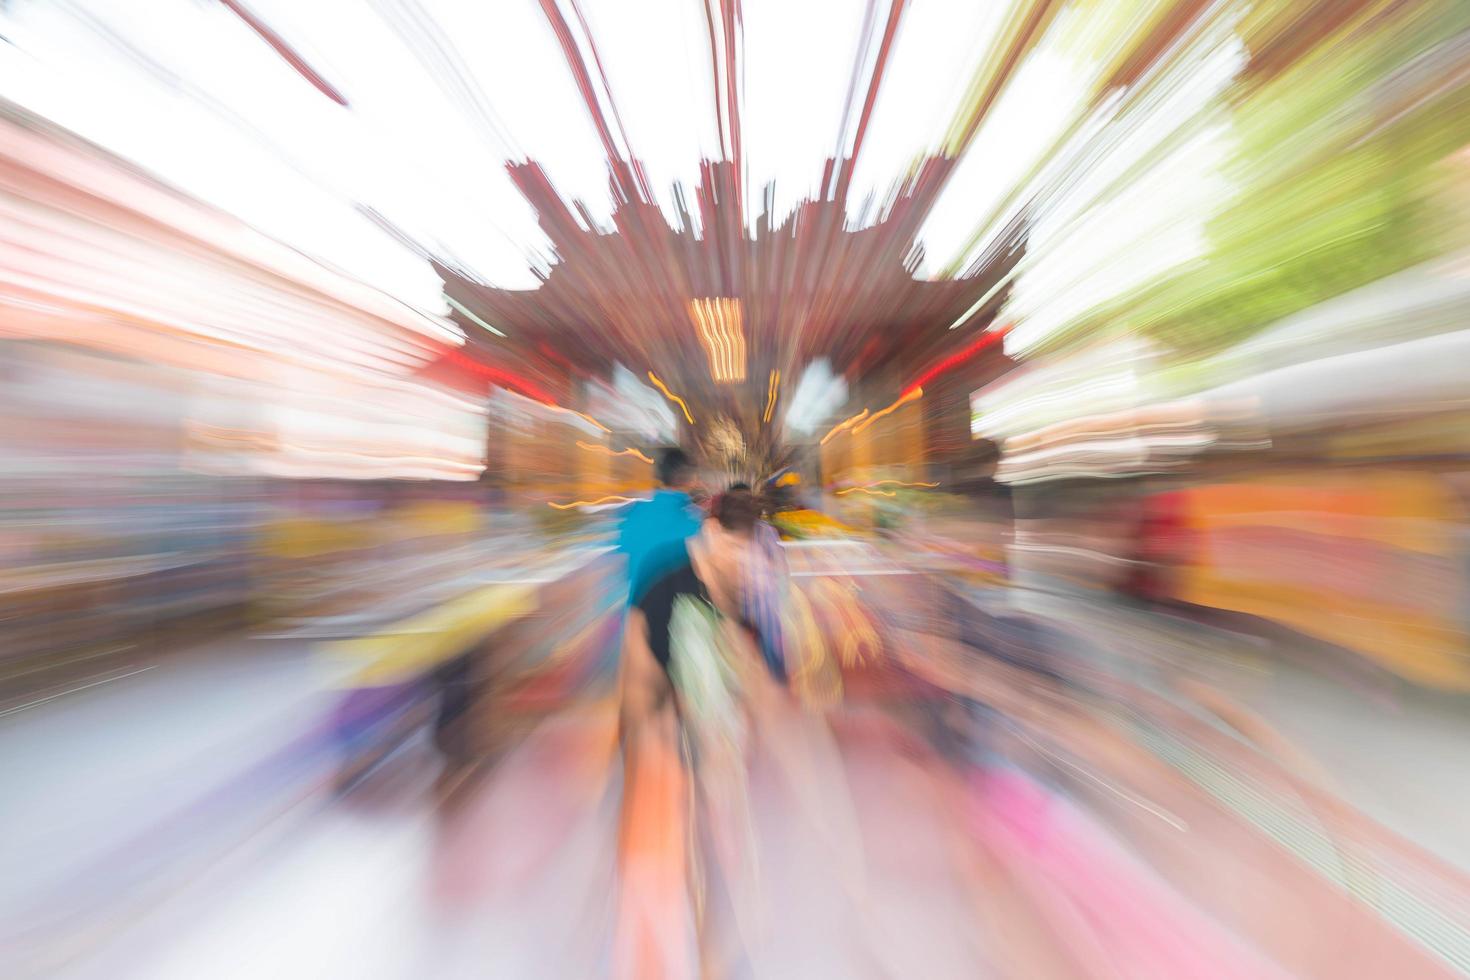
686	661
652	533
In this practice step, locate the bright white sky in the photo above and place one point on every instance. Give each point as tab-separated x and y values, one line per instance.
939	45
225	119
799	58
656	55
444	92
1049	91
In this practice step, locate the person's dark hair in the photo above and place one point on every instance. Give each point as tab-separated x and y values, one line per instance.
738	511
739	486
674	467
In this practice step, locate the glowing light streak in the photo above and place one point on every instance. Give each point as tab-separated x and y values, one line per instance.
590	503
593	447
773	390
506	379
520	386
954	360
469	315
844	425
718	321
671	396
708	338
990	293
581	415
912	394
719	331
871	493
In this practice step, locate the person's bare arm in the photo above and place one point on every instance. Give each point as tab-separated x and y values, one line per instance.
643	687
633	666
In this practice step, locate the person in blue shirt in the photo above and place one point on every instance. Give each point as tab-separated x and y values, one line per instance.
652	533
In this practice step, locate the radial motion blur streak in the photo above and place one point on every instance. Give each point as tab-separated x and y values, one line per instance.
743	488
